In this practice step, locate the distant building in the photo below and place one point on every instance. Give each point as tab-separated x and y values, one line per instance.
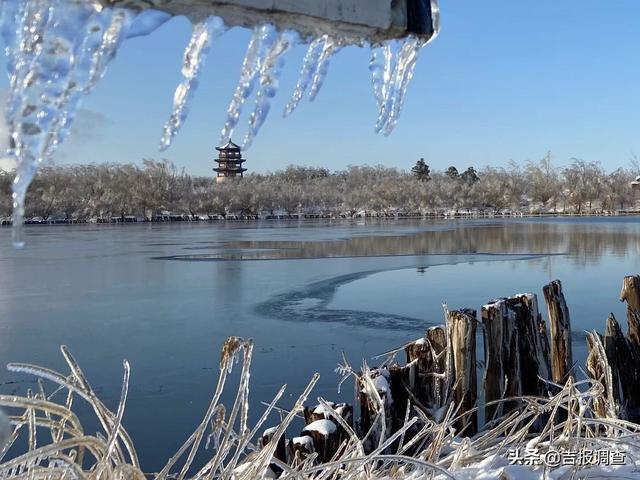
229	162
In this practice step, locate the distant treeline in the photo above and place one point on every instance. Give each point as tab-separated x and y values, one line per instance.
113	190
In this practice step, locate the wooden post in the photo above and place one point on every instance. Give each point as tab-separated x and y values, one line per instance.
326	438
502	360
462	332
631	294
615	346
533	345
300	448
598	369
437	339
561	353
320	412
370	408
281	448
429	356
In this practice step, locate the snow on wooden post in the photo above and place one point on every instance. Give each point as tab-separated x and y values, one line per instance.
326	438
502	378
300	448
374	394
462	334
281	448
320	412
561	354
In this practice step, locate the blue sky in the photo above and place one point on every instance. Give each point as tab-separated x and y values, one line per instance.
505	80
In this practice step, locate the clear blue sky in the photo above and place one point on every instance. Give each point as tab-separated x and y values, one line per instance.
505	80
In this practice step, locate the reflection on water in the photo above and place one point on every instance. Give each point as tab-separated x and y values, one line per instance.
583	240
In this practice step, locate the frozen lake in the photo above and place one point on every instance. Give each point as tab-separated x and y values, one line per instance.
166	296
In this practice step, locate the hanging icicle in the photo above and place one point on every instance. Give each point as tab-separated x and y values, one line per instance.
60	50
309	66
261	41
194	57
402	75
269	81
329	48
380	69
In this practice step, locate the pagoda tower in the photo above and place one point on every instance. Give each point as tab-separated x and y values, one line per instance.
229	162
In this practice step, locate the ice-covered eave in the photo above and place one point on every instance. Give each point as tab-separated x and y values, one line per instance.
353	21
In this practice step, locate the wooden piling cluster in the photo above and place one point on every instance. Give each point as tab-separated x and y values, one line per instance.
322	435
438	378
617	365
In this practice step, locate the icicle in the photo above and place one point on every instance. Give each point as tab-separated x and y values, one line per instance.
380	68
390	86
397	84
194	57
435	17
60	50
330	47
309	66
120	21
407	58
269	79
261	40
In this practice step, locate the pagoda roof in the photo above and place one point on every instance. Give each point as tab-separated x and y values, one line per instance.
228	146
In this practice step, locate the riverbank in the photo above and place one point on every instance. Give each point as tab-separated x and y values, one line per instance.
202	218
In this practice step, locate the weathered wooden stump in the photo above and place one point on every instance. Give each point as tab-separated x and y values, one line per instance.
320	412
502	363
462	338
370	408
560	321
300	448
427	358
326	438
533	342
516	352
598	368
281	447
631	294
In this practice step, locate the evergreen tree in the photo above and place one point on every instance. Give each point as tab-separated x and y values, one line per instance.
470	175
452	172
421	171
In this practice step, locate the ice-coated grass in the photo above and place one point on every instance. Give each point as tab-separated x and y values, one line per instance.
59	448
